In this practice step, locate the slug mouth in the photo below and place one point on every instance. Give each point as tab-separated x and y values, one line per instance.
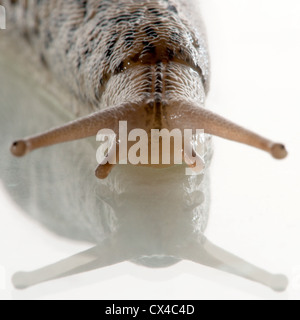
177	118
156	261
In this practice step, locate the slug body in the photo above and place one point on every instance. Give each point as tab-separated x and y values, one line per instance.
145	62
112	52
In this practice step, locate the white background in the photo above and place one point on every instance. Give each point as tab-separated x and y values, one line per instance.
255	50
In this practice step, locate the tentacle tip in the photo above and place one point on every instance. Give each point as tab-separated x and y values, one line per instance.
103	171
19	280
279	283
278	151
19	148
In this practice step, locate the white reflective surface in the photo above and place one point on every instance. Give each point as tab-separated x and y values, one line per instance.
255	209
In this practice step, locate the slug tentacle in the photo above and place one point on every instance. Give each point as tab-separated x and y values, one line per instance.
105	167
195	117
100	256
206	253
78	129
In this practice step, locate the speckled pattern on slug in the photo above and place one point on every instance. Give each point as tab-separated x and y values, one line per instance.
109	52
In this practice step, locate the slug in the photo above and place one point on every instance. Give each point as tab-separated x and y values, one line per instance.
145	63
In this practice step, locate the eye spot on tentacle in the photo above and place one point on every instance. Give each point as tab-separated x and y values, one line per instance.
18	148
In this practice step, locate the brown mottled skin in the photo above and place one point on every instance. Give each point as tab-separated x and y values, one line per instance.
112	52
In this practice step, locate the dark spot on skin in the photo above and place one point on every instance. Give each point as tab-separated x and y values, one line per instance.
103	7
78	62
26	36
97	94
135	58
49	36
175	37
136	13
170	53
49	39
172	9
36	31
110	46
43	60
37	24
200	72
149	48
122	18
84	7
73	28
132	18
119	68
129	38
155	11
108	53
150	32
